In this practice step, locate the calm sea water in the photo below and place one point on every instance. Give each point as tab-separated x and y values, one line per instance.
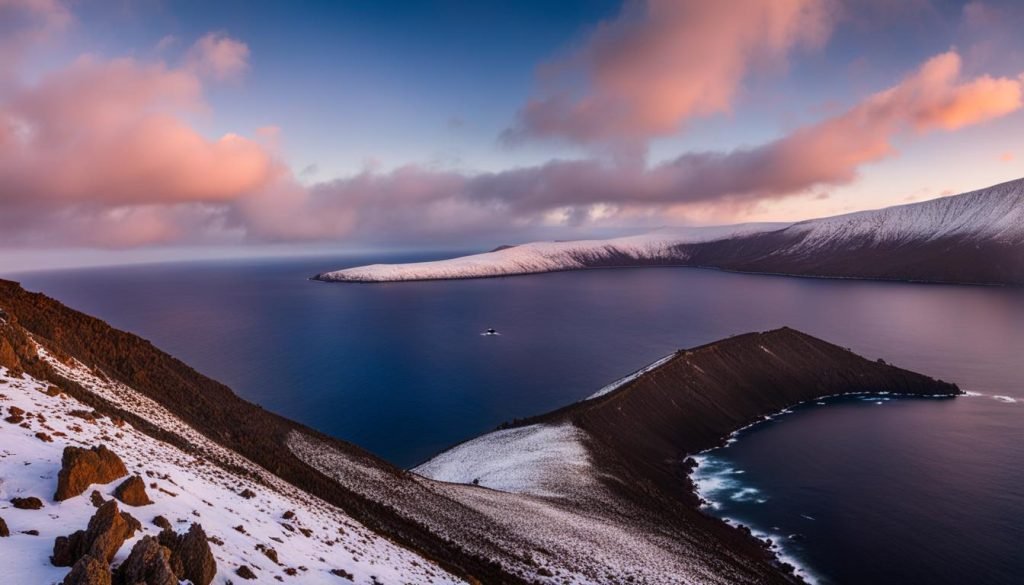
907	491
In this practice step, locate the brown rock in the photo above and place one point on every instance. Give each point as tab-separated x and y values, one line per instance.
162	522
15	411
44	437
191	557
245	573
343	574
269	552
4	531
133	492
82	467
52	391
148	563
88	571
96	499
107	531
30	503
14	419
247	494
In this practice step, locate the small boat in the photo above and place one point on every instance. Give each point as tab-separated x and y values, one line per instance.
491	331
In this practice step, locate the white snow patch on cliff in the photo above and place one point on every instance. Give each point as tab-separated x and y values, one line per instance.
627	379
531	459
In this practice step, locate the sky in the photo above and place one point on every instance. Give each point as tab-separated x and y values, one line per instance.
150	130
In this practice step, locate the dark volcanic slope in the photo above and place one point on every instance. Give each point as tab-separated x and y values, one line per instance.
697	399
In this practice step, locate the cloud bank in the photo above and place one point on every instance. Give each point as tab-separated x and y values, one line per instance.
662	62
100	152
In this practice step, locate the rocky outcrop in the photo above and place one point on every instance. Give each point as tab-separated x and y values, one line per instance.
88	570
29	503
149	563
81	468
132	491
4	531
107	531
191	557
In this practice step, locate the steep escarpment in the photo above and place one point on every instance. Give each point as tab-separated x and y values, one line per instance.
971	238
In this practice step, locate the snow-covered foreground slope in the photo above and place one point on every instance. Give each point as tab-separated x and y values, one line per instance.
975	237
658	247
314	539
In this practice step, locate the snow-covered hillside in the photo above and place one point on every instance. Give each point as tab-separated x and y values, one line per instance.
658	247
995	213
308	537
975	237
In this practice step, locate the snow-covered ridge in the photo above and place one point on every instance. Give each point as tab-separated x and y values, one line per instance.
993	215
309	536
537	257
627	379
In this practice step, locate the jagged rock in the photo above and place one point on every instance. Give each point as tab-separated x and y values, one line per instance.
81	468
148	563
269	552
191	557
245	573
343	574
107	531
96	499
133	492
162	522
30	503
44	437
4	531
88	571
247	494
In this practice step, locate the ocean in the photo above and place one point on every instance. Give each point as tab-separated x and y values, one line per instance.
891	491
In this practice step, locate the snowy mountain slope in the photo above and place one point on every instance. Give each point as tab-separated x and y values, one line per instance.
975	237
658	247
995	213
190	487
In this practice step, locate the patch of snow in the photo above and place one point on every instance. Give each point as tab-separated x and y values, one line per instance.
627	379
531	459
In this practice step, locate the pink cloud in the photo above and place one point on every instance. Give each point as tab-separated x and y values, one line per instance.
219	57
24	24
661	62
111	132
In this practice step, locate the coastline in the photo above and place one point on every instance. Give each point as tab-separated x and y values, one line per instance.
710	482
931	282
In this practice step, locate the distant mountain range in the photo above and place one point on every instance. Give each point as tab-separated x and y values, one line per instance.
971	238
